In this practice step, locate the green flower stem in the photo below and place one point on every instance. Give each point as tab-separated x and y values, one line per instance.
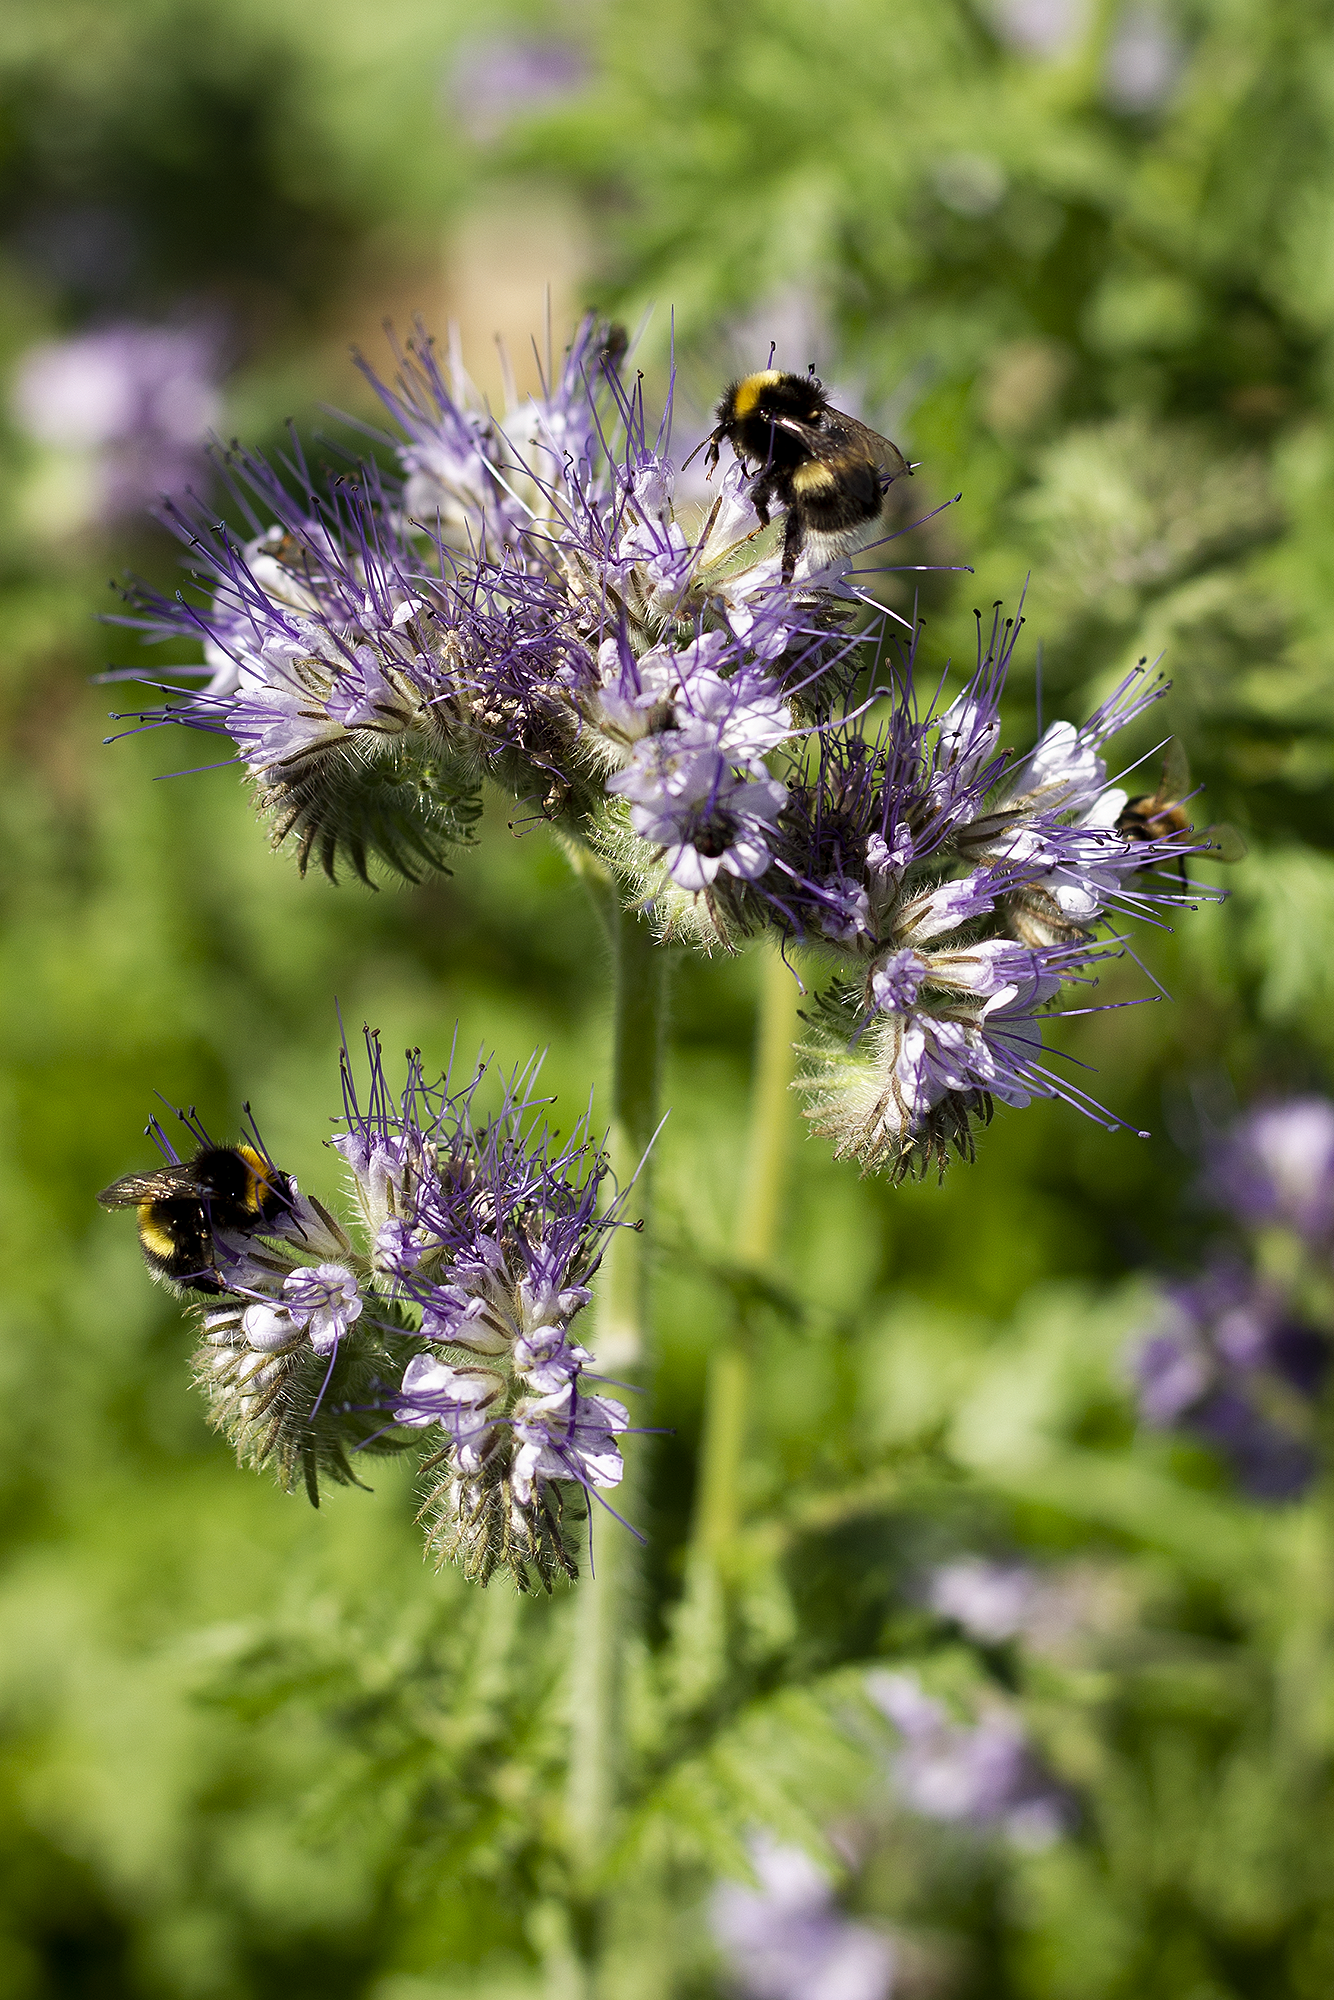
638	1029
718	1507
605	1608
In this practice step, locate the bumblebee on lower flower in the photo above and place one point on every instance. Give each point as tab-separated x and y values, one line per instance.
443	1316
184	1206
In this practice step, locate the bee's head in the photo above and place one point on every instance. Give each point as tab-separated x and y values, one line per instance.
770	393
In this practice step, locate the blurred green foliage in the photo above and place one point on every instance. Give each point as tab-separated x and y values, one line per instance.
251	1750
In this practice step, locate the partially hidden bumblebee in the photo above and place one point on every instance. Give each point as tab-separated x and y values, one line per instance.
1162	814
185	1205
828	470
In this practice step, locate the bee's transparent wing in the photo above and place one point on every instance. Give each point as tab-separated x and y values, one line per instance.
880	450
1176	774
1228	845
829	441
129	1191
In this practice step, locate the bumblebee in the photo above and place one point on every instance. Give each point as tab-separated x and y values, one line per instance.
829	471
185	1205
1161	814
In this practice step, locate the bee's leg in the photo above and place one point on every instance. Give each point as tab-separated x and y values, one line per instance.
711	456
794	538
758	495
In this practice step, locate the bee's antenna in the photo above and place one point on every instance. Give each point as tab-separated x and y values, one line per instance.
698	449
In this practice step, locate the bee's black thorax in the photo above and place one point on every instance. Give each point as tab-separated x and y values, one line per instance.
750	410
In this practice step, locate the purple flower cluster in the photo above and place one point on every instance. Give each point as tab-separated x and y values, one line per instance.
985	1777
524	603
1229	1360
967	887
1276	1165
446	1316
1238	1354
787	1939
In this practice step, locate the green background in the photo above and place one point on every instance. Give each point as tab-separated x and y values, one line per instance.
253	1750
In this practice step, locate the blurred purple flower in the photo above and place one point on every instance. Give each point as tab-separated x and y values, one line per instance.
138	400
1041	27
1173	1375
1143	61
1228	1360
1046	1608
1276	1164
788	1940
991	1601
985	1777
497	78
1270	1462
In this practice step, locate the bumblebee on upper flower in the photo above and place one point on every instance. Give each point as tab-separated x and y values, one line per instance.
706	708
829	472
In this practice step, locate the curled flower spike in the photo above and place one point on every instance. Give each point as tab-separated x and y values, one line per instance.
444	1314
738	749
959	891
494	1230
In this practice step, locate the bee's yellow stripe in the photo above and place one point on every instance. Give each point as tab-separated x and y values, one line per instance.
748	393
812	477
262	1183
152	1235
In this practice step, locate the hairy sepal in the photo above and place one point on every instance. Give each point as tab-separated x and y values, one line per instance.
291	1410
473	1519
404	801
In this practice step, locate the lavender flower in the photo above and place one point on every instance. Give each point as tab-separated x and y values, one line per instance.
1228	1360
526	605
787	1938
983	1777
701	814
134	403
324	1303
